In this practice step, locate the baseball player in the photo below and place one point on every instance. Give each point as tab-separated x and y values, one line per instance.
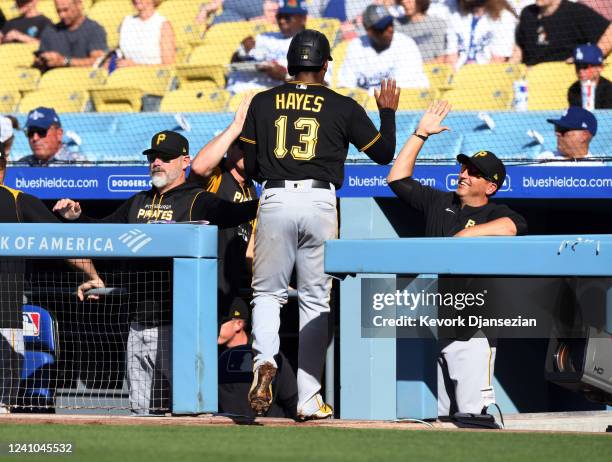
295	139
465	366
19	207
170	199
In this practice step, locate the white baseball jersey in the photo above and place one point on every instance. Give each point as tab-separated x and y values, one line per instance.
269	46
365	68
477	40
564	161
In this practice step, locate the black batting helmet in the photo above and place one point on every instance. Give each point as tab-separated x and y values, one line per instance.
309	49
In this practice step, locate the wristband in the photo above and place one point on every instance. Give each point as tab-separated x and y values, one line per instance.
423	137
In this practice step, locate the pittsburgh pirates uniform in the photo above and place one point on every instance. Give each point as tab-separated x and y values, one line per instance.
148	347
15	207
295	140
465	365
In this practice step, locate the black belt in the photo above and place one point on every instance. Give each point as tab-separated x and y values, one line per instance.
317	184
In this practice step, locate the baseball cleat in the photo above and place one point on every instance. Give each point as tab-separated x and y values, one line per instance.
321	410
260	394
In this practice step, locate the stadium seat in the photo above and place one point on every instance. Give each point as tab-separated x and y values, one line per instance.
438	74
182	15
194	101
9	99
17	54
152	80
40	338
21	79
9	9
548	84
359	95
110	14
328	26
488	99
75	78
338	54
200	76
117	99
221	41
410	99
64	100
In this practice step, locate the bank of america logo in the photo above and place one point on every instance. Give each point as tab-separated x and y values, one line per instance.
135	239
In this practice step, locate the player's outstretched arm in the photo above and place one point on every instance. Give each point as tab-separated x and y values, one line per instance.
210	155
430	124
68	209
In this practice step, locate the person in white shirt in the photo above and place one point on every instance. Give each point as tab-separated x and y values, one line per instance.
574	130
481	32
146	38
268	51
381	54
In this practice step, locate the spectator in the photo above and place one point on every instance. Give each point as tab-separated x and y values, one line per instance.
381	54
236	371
428	32
481	32
74	41
574	130
268	51
588	60
44	132
550	30
2	19
8	126
146	37
225	177
603	7
28	26
442	9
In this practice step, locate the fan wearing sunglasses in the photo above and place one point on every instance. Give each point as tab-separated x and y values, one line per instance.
466	360
44	131
589	63
575	130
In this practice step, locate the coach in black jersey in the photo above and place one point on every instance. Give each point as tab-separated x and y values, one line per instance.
296	138
171	199
465	367
224	176
18	207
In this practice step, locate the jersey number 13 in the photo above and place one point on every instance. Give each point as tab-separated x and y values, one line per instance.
308	128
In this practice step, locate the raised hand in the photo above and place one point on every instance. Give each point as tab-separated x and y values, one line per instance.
388	95
68	209
433	117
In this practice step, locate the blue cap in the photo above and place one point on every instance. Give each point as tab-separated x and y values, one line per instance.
576	118
292	7
376	17
588	54
42	117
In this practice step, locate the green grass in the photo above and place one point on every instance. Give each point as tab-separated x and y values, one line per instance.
270	444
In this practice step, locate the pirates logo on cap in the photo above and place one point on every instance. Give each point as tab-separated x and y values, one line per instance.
481	154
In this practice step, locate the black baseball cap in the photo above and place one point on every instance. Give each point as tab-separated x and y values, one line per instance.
167	142
488	164
238	310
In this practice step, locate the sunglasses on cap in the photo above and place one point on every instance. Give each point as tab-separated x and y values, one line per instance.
165	158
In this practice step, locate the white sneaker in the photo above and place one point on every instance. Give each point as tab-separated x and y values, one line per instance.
315	409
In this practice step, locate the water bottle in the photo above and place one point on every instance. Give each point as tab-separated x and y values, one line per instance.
588	94
521	92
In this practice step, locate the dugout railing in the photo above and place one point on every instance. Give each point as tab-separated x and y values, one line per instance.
193	250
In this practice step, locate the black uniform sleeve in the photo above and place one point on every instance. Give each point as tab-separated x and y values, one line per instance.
32	210
379	146
247	138
503	211
121	215
225	214
415	194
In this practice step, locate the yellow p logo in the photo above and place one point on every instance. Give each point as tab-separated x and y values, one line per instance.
481	154
161	137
